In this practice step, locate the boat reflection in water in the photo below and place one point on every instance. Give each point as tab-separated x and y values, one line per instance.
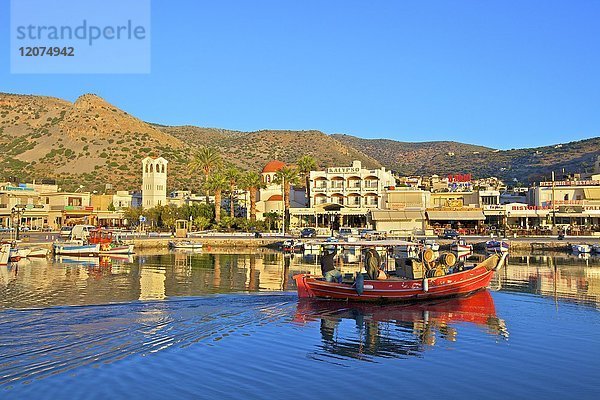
397	330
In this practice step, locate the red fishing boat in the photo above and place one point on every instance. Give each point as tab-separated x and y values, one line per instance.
109	244
432	281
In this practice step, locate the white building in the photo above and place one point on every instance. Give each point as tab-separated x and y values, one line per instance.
154	182
353	186
343	196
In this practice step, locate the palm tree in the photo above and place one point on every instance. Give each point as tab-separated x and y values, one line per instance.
206	160
286	176
252	182
217	183
306	164
232	174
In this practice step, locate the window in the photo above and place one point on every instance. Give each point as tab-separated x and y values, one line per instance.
566	197
75	201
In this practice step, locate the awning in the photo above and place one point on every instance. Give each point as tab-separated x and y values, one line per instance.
592	193
396	215
463	215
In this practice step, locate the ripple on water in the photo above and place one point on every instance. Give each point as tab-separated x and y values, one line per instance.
37	343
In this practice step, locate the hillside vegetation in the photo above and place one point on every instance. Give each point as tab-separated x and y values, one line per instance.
92	143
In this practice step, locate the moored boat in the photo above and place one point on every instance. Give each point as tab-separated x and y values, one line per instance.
38	252
596	248
581	248
461	246
292	245
497	246
432	283
4	253
109	244
76	248
16	253
185	244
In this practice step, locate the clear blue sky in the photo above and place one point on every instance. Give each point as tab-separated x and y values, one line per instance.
504	74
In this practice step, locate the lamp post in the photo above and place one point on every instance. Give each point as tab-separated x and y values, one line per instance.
283	198
17	211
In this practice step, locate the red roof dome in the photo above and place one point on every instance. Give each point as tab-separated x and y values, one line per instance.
273	166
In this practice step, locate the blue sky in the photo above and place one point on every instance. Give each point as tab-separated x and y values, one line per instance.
504	74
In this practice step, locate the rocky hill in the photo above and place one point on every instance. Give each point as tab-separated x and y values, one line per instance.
523	165
93	143
88	142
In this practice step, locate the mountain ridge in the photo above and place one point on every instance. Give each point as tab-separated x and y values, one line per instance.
91	142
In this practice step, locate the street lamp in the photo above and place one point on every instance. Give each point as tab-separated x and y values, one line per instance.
17	211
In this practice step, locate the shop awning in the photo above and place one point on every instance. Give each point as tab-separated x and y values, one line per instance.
592	193
396	215
462	215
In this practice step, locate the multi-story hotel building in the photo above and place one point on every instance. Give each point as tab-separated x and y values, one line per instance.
353	186
343	196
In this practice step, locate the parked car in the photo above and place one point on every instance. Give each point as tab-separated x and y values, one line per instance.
308	233
345	232
450	234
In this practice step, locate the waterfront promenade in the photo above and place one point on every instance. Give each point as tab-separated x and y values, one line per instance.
247	240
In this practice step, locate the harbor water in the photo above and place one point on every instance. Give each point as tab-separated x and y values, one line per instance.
221	325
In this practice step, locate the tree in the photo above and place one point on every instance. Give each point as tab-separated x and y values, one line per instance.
306	164
286	176
252	182
232	174
206	160
216	184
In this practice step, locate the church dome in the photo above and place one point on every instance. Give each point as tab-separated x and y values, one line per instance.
273	166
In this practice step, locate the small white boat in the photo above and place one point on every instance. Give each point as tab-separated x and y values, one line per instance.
292	245
431	244
461	246
312	247
76	248
497	246
17	254
4	253
185	244
38	252
581	248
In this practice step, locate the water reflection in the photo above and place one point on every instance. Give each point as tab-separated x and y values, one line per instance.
559	275
366	331
159	275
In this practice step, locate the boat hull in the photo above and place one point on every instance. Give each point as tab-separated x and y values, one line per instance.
4	254
456	284
581	248
125	249
90	250
185	245
38	253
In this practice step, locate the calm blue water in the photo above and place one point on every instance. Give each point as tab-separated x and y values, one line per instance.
221	327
